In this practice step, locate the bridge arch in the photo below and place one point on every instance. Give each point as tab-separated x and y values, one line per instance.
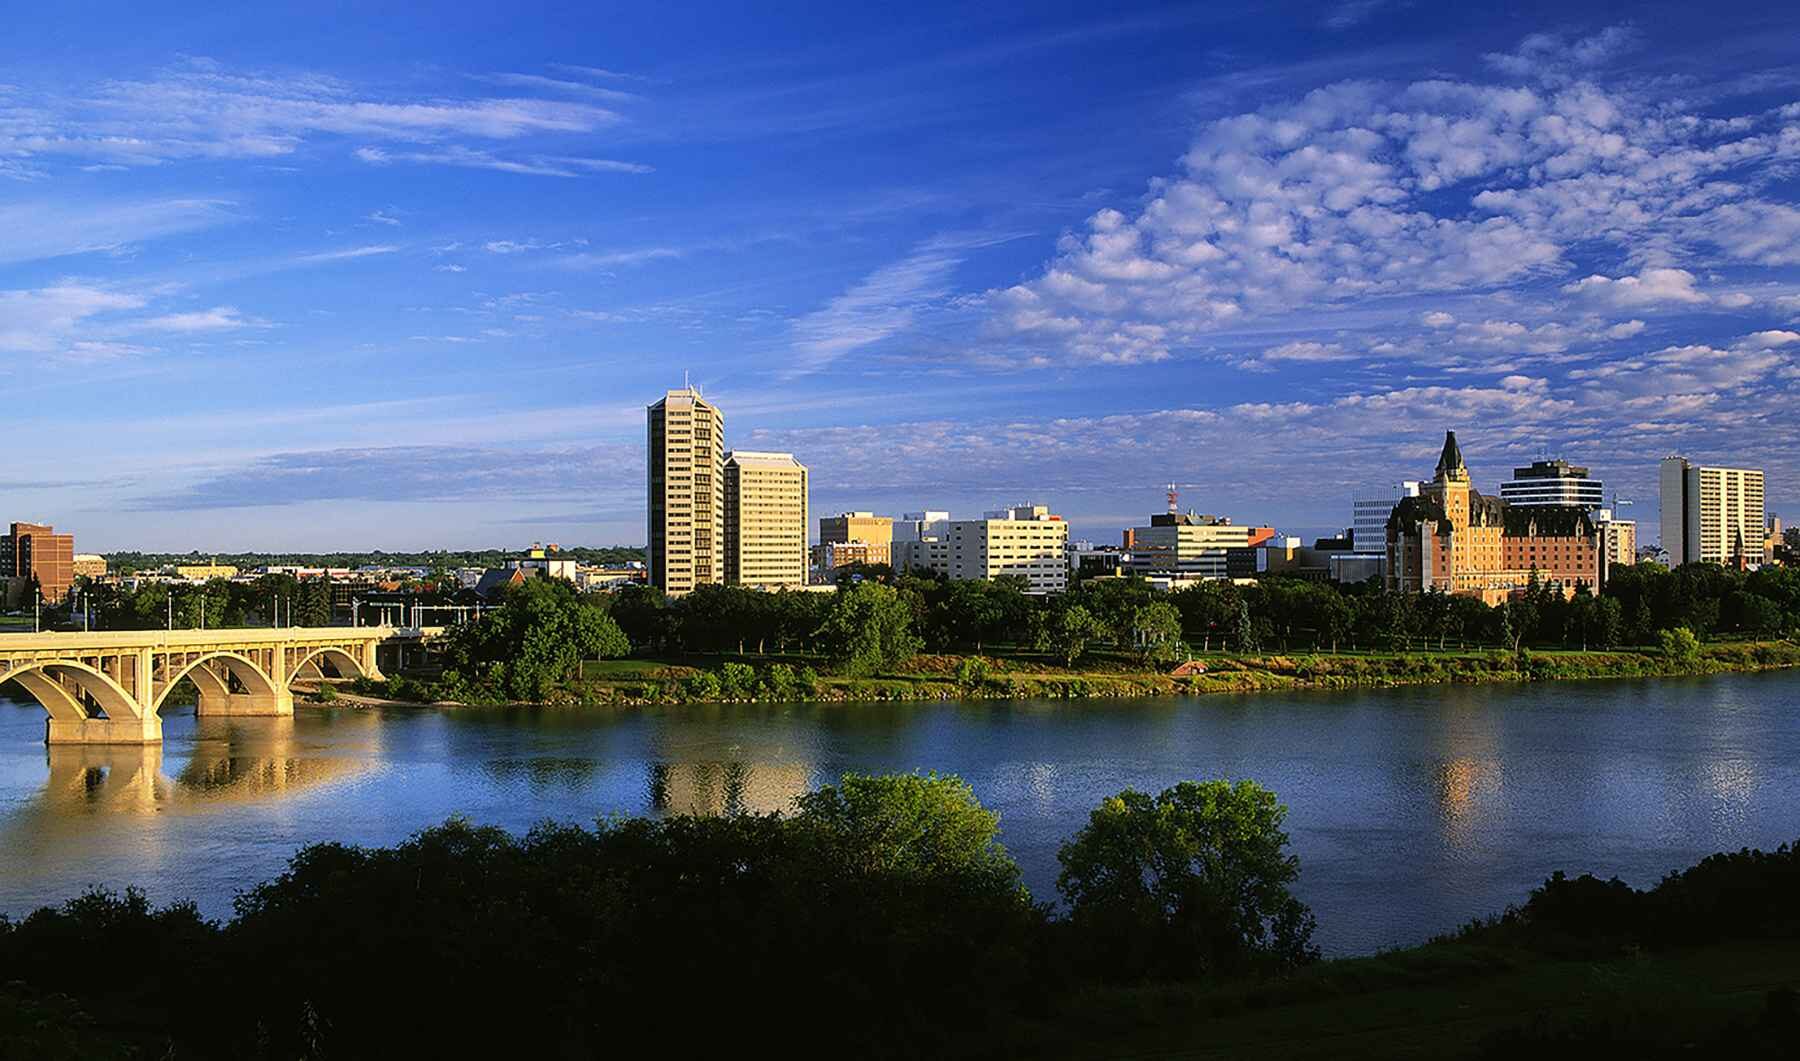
47	683
342	659
244	669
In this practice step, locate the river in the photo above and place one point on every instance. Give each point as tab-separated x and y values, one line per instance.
1412	810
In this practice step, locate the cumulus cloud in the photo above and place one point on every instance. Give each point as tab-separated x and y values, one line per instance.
1363	194
1649	288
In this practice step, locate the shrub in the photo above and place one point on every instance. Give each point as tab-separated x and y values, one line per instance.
1679	646
703	685
737	681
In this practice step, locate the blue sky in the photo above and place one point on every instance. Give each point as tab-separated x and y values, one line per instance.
309	276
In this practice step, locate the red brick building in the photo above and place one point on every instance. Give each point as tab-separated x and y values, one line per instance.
34	550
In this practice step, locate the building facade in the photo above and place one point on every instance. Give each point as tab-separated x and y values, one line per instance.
1185	546
685	530
1554	482
1712	515
1026	541
1369	516
1621	537
765	520
35	551
865	528
1456	540
88	565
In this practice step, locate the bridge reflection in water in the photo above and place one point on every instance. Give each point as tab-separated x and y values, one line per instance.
233	761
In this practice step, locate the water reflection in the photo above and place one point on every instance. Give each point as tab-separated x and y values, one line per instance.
230	761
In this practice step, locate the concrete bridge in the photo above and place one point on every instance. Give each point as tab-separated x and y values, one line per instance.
109	688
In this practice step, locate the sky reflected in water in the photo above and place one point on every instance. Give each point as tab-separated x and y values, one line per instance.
1412	810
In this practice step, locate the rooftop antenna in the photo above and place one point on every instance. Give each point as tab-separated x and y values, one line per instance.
1174	499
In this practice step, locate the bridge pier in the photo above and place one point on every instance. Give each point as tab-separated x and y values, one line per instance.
246	705
145	730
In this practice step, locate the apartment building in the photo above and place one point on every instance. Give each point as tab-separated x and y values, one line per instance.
765	520
1712	515
1621	537
685	530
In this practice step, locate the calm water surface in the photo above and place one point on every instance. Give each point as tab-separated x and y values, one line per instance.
1411	810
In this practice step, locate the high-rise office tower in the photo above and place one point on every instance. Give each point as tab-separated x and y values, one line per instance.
1712	515
686	483
1553	483
765	520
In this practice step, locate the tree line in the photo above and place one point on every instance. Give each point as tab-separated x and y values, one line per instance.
880	911
878	916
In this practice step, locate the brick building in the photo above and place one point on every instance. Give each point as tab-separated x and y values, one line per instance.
35	551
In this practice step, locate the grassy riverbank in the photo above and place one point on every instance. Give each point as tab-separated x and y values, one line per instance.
737	678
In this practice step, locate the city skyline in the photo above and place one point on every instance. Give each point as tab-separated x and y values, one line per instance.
411	282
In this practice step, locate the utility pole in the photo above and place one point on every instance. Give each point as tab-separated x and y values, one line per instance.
171	610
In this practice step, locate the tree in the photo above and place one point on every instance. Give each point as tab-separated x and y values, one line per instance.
910	827
1156	632
1193	881
1244	637
534	641
1068	631
868	628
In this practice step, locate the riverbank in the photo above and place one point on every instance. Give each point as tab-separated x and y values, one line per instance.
738	679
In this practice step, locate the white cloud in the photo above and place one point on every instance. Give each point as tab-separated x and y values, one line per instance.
477	158
347	254
219	318
1371	195
608	259
383	219
202	110
40	229
45	320
1649	288
881	305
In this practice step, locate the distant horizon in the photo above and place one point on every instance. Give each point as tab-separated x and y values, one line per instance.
279	280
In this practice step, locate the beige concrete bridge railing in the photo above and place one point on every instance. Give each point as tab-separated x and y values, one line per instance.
109	688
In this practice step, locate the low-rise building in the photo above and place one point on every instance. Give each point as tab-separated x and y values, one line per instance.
860	528
203	572
1195	546
88	565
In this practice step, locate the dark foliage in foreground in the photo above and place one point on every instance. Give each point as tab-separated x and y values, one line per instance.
1741	895
880	918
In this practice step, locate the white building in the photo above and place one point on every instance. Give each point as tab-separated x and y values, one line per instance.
1712	515
1026	541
